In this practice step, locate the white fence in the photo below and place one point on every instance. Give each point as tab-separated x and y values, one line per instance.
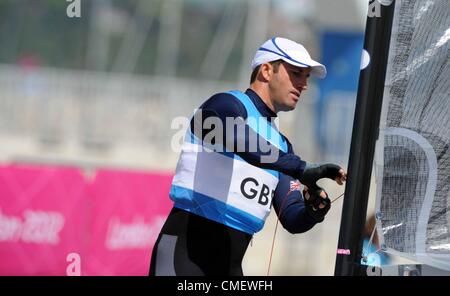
111	119
81	116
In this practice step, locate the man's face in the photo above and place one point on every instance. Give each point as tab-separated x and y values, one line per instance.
286	86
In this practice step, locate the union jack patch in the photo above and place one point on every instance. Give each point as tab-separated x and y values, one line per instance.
295	185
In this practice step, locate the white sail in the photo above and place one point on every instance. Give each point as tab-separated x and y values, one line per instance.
413	157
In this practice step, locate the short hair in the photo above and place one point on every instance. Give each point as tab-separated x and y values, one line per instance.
275	65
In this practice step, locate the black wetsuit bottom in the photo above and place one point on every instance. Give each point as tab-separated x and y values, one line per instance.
191	245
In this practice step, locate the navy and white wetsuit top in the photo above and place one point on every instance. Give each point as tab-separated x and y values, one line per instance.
233	185
210	226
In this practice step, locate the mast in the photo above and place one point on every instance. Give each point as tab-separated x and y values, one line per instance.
365	133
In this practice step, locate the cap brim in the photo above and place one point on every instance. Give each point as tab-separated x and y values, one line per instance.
317	69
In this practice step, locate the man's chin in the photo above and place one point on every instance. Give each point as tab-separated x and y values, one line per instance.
288	108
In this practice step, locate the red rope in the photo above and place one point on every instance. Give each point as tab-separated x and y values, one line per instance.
276	226
275	232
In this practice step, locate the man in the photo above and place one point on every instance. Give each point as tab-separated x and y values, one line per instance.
224	185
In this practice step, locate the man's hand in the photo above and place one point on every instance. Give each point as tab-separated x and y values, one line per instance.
317	203
313	173
342	177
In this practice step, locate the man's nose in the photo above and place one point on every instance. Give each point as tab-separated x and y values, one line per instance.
302	84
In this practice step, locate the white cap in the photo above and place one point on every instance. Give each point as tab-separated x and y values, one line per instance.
289	51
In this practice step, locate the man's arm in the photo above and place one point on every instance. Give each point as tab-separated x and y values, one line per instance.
291	209
225	105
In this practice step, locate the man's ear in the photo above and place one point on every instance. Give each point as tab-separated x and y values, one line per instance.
265	72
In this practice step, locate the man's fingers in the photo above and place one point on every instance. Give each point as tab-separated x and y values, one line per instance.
306	194
323	194
342	177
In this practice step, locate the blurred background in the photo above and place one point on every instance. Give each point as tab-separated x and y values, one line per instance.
88	94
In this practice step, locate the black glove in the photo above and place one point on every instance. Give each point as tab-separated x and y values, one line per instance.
311	175
313	200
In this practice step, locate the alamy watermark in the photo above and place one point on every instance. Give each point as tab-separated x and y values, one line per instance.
74	8
247	135
74	266
375	7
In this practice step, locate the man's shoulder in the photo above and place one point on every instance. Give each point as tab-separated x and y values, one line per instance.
219	97
289	144
224	102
